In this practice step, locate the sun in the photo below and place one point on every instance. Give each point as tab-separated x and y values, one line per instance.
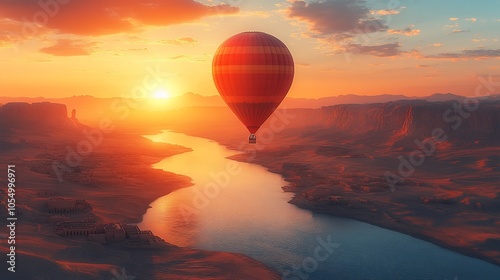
161	94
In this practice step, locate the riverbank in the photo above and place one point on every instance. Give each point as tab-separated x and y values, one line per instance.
451	206
384	220
429	209
117	179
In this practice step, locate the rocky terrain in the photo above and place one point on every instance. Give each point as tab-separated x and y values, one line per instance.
56	156
428	169
36	116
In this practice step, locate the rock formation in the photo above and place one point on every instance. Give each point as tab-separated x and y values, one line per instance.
20	115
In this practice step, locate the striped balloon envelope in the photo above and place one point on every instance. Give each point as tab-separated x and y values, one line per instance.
253	72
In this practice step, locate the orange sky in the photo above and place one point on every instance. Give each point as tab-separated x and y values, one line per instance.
105	48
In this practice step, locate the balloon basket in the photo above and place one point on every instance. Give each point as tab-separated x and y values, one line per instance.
252	139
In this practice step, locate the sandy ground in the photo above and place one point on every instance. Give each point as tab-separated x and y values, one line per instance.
116	178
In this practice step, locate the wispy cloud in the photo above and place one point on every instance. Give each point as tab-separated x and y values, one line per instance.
177	57
66	47
179	41
385	12
468	54
409	31
257	14
391	49
191	58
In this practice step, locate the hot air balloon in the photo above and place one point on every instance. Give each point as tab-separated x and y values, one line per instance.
253	72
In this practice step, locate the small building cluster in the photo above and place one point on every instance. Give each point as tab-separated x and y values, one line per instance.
129	235
62	205
76	228
137	238
107	233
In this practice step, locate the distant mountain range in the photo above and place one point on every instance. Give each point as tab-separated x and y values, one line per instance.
89	107
363	99
391	123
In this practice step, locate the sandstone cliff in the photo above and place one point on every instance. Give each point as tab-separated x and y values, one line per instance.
19	115
405	120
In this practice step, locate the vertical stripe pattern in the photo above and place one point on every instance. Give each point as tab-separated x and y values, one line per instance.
253	72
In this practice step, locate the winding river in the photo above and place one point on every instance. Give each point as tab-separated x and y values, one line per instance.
240	207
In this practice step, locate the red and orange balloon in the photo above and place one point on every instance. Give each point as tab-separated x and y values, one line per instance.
253	72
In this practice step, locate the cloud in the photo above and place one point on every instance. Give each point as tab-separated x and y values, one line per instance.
383	50
337	24
177	57
437	44
137	50
180	41
98	17
385	12
460	31
471	19
406	32
469	54
257	14
10	33
66	47
191	58
453	19
342	17
7	32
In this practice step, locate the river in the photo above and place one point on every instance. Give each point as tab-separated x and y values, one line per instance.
240	207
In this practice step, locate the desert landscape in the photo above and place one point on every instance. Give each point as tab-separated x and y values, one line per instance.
242	140
115	177
354	161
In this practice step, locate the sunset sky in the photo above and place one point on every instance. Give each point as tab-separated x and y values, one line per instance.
105	48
